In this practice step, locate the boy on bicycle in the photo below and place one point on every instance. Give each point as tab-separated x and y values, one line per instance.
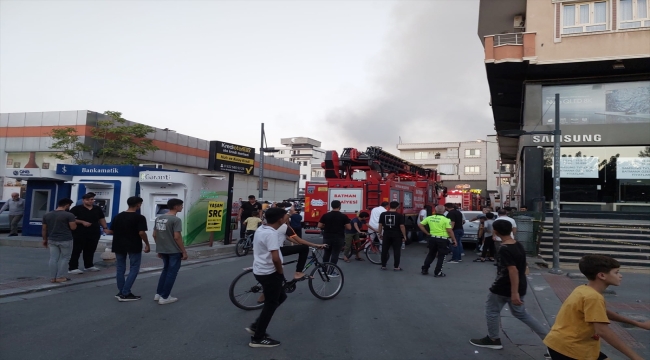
353	236
253	222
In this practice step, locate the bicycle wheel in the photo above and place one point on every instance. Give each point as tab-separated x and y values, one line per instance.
240	248
373	253
326	281
245	290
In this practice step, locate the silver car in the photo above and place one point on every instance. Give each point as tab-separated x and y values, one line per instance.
4	219
471	227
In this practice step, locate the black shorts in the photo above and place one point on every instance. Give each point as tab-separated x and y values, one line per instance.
557	356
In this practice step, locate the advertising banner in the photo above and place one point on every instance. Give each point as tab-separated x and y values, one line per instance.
231	158
216	210
605	103
579	167
632	168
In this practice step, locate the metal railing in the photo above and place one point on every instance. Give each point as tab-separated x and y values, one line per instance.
509	39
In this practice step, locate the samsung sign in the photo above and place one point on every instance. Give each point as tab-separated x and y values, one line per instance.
568	138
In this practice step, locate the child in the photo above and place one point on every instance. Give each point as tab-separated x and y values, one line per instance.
488	242
354	235
253	222
509	288
583	318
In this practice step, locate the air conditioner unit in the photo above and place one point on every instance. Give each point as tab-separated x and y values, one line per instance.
155	166
519	22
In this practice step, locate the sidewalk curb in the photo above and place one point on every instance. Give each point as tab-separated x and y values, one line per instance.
47	287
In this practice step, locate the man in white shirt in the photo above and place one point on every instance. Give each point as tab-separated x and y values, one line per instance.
267	268
421	216
373	223
503	215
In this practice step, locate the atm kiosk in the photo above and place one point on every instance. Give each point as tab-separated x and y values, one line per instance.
196	191
44	190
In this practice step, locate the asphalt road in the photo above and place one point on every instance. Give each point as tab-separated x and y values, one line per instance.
378	315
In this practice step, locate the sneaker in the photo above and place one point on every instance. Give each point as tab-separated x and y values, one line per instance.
94	268
440	274
461	260
334	274
462	254
156	297
169	300
486	342
130	297
425	272
423	242
547	356
452	262
75	271
267	342
118	295
403	246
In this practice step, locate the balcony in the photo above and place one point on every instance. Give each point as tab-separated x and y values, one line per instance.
512	47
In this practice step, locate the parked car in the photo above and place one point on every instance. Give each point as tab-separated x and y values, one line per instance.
4	219
471	227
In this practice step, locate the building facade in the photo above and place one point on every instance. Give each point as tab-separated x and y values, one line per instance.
596	56
305	152
459	163
25	148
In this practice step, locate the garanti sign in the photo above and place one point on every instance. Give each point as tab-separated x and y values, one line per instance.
231	158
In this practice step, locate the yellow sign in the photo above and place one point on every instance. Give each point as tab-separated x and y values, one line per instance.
216	211
235	159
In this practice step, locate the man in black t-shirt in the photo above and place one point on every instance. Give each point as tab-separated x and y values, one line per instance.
86	237
457	221
129	233
334	224
393	235
245	211
511	273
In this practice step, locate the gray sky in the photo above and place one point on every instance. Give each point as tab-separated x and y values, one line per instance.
348	73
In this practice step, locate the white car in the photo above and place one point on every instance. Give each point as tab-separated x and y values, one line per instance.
471	227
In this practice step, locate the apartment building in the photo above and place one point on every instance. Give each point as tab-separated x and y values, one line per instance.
459	163
305	152
596	56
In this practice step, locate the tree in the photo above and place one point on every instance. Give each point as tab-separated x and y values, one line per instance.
67	142
119	143
645	152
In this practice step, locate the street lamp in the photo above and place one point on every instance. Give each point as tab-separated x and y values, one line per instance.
263	149
556	179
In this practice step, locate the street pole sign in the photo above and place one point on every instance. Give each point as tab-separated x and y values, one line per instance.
231	158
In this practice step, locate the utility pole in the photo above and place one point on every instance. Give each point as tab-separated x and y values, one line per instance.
261	169
557	133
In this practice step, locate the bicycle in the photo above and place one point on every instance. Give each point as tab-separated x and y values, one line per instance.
371	247
244	245
245	290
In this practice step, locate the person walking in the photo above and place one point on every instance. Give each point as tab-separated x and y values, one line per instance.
373	223
334	224
16	207
86	237
129	233
457	221
488	241
267	269
509	288
57	236
245	211
391	231
440	234
170	248
353	235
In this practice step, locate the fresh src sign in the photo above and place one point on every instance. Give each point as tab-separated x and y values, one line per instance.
231	158
351	199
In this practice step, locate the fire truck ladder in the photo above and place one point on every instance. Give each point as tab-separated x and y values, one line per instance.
374	156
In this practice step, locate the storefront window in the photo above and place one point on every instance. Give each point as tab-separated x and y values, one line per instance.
610	174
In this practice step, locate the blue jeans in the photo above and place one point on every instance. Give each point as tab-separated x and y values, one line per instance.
457	250
124	286
172	263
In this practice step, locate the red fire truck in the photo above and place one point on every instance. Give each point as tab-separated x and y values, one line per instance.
470	199
363	180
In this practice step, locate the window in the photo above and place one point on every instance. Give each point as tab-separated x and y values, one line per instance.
584	17
437	156
472	153
421	155
304	177
472	169
634	14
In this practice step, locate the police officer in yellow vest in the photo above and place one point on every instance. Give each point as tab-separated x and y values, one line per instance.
440	235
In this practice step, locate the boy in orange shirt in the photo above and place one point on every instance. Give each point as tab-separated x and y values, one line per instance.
583	318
